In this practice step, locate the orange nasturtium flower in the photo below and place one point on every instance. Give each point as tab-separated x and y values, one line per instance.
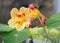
34	13
19	19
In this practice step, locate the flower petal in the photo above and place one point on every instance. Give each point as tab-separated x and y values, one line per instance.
28	23
12	23
13	12
20	27
22	9
33	14
25	11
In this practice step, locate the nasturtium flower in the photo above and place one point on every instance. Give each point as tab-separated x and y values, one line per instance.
18	20
34	13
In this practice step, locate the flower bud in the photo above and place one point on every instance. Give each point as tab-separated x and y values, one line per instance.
31	19
31	7
43	21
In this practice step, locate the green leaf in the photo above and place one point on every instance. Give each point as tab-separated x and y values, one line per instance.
5	28
53	25
53	21
15	36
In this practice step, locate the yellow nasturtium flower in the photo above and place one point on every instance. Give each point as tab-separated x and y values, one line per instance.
18	20
34	13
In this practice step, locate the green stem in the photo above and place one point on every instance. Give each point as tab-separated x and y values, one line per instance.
37	4
47	41
41	21
45	31
43	25
58	38
30	34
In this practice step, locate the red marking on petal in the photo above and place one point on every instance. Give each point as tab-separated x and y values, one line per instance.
31	7
18	15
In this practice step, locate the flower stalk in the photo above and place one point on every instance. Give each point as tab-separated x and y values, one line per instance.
43	25
30	34
48	38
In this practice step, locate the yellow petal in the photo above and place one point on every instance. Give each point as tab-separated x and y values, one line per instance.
13	12
22	9
33	14
20	27
27	23
12	23
25	11
40	14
